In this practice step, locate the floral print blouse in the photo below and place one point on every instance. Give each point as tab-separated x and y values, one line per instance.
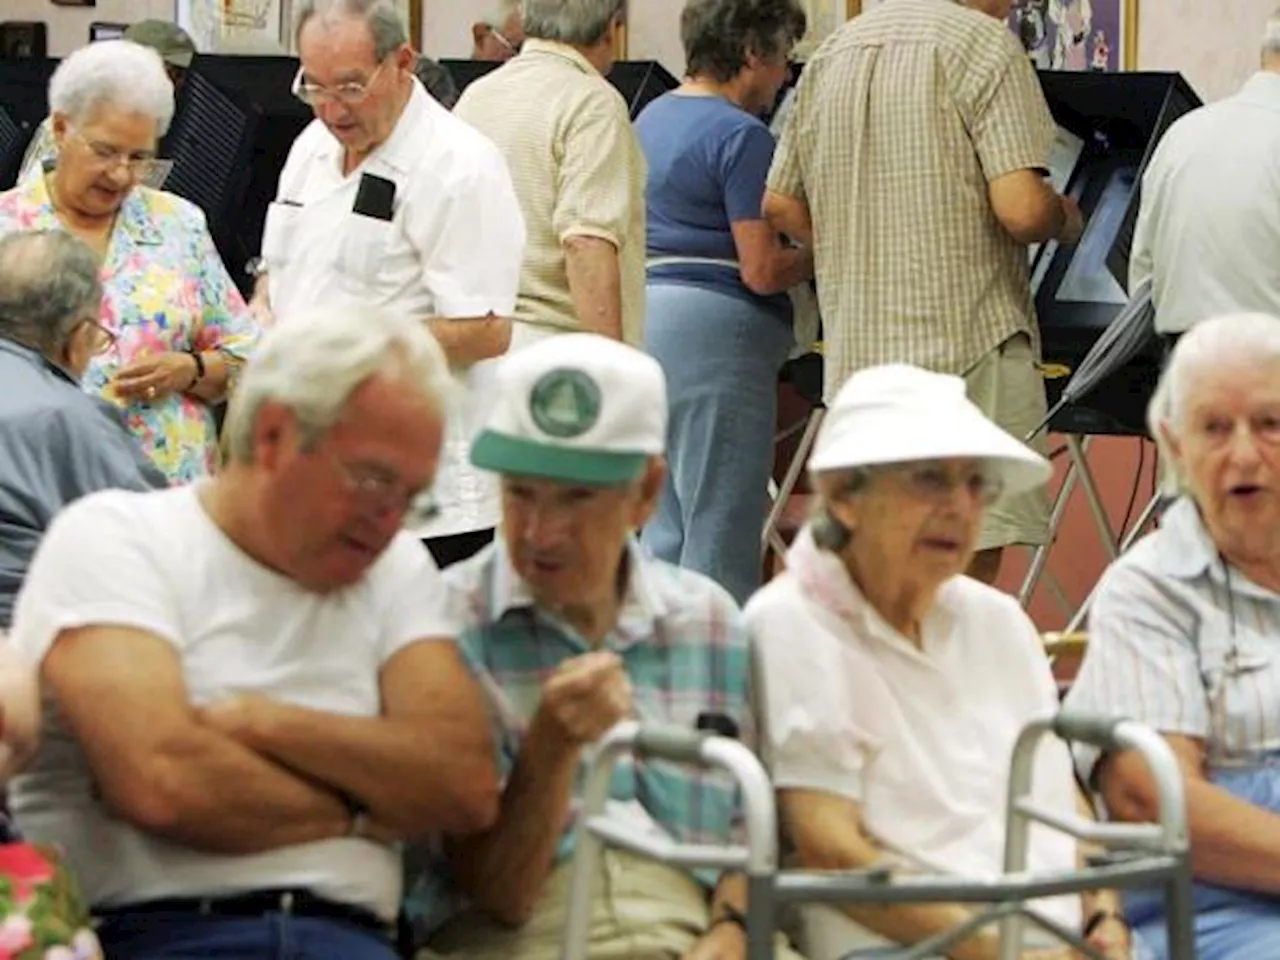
165	289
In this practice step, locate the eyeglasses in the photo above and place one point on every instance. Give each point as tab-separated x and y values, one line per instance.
139	165
103	339
377	491
936	482
501	37
348	94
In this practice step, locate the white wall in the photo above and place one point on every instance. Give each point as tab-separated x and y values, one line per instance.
1214	43
69	26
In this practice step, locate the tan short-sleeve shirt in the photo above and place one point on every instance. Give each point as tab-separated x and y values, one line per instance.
578	171
902	119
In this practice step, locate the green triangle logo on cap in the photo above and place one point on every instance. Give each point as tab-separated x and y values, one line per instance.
565	403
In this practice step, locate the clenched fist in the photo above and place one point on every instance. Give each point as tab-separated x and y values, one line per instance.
584	698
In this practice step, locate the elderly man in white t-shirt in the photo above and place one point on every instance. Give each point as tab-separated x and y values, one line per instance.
254	693
894	687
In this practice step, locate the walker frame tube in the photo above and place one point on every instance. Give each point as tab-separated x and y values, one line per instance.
1154	854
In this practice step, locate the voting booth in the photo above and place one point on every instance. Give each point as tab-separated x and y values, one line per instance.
1108	127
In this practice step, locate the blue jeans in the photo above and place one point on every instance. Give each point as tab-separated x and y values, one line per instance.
1229	924
721	356
189	936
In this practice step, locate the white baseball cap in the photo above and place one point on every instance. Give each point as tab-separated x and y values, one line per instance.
576	407
898	413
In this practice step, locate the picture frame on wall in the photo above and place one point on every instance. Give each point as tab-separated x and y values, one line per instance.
234	26
1097	35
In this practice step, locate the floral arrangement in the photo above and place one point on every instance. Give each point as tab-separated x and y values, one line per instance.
42	916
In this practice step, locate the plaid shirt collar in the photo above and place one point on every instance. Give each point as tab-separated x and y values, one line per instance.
642	607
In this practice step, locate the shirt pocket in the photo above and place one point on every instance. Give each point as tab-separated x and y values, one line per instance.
280	234
1239	676
363	252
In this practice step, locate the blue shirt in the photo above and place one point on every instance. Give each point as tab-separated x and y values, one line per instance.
708	164
57	444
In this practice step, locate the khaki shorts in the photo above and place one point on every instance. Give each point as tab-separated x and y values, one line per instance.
642	910
1008	387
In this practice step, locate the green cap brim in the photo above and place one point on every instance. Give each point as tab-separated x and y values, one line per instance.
527	458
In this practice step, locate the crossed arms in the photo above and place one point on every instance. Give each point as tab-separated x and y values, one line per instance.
252	774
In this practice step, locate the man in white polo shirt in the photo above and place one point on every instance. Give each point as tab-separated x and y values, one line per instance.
253	692
390	200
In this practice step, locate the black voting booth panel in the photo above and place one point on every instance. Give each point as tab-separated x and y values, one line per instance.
24	103
639	81
236	121
466	71
1080	290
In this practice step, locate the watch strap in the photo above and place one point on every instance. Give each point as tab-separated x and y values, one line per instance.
729	914
199	374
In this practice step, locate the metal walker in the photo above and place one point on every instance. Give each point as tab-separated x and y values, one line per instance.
1137	855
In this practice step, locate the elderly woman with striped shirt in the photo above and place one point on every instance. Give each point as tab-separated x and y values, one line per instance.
1185	636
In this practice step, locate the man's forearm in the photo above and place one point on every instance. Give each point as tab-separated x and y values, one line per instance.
468	340
216	795
789	216
504	869
595	284
415	776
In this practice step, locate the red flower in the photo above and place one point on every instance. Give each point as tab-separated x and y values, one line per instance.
25	866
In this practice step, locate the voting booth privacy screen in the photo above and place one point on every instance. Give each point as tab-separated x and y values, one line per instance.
24	103
236	121
1108	127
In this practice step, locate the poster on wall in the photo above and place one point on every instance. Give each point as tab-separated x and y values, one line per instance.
1077	34
233	26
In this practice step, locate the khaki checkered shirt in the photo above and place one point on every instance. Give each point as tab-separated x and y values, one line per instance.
901	120
578	171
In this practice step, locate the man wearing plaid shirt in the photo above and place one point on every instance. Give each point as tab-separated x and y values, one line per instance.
914	162
572	629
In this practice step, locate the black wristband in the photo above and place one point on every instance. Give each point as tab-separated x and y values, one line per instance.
199	375
729	914
1099	917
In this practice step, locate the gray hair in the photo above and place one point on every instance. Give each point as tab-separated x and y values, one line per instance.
1252	338
578	22
497	13
827	530
313	364
113	73
48	286
1271	37
380	16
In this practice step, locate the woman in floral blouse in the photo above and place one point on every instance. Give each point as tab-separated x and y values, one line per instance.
181	329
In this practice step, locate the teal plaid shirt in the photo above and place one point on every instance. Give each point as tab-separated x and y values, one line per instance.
685	648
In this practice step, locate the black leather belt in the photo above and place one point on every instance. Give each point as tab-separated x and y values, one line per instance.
260	903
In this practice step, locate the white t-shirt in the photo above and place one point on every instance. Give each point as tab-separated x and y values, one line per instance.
453	246
157	562
922	738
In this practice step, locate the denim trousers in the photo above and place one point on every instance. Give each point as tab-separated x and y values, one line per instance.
188	936
721	356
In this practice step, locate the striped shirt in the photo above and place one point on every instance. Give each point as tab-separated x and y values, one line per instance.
901	120
578	171
1185	644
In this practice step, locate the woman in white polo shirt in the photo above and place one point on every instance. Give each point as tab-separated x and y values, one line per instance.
894	686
